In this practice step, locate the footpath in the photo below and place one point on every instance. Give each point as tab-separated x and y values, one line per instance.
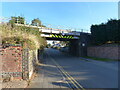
15	84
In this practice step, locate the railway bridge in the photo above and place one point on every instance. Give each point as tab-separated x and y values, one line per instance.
78	40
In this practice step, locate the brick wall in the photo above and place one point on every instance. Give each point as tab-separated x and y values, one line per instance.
12	61
17	62
110	52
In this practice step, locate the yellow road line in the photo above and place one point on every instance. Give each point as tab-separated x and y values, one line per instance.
70	77
66	75
62	71
74	80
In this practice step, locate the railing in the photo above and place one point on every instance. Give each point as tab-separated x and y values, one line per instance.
54	30
44	29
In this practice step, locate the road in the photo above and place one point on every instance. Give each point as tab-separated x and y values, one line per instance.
60	70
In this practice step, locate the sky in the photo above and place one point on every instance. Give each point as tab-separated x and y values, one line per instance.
71	15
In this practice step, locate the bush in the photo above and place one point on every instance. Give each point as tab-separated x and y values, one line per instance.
107	32
26	36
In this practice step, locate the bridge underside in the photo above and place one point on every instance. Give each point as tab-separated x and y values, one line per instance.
60	39
73	45
77	46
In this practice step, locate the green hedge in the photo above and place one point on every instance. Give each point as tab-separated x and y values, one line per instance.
106	33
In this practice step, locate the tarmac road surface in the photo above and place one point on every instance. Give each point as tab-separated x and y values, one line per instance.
60	70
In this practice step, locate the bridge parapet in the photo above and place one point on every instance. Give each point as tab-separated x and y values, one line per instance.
53	30
47	30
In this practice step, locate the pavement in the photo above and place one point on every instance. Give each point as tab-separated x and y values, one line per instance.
48	76
15	84
60	70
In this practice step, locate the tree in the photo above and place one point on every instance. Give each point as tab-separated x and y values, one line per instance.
112	30
21	20
18	20
118	35
36	22
108	32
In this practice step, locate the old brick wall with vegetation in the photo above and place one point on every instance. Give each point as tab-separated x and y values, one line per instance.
18	63
28	38
11	61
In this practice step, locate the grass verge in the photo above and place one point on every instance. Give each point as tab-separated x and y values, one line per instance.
100	59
